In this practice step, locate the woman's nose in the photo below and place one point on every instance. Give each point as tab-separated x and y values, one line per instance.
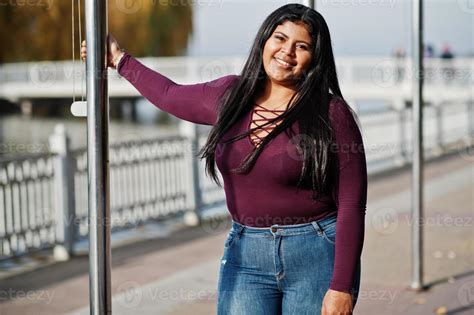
288	49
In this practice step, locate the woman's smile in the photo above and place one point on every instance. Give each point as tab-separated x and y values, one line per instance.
283	64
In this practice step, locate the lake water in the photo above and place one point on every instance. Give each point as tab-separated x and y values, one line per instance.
24	135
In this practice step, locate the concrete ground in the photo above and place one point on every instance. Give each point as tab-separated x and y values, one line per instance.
178	274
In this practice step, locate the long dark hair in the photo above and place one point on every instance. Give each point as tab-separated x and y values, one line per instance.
309	105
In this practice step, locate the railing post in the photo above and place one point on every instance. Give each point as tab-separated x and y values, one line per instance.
189	130
439	126
403	154
64	167
470	122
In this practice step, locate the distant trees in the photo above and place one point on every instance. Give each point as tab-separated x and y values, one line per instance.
41	29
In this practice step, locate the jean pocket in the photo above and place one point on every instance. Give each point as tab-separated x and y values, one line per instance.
329	233
230	239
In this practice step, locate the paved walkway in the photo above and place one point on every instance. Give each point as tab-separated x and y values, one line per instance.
177	275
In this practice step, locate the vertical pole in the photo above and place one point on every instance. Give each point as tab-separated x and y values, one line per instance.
98	158
417	166
310	3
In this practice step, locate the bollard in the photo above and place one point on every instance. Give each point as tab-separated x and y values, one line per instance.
65	212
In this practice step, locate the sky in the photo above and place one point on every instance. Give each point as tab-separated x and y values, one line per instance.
357	27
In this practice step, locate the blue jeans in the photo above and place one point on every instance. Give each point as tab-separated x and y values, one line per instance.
282	269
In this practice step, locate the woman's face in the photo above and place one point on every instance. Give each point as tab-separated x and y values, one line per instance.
287	53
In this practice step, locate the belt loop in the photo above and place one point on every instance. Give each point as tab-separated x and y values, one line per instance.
317	227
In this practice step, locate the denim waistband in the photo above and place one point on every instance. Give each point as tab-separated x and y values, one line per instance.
279	229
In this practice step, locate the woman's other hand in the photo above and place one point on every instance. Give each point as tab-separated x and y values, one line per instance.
336	302
114	53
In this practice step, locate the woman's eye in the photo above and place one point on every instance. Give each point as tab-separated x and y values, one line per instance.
278	37
304	47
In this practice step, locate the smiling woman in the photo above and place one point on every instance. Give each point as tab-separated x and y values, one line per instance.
296	194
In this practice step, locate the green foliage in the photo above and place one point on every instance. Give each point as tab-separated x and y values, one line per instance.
41	30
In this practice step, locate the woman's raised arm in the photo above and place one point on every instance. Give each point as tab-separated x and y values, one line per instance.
196	103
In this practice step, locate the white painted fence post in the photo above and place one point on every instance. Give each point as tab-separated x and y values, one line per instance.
65	212
194	204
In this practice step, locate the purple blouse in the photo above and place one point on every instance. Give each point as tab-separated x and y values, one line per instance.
267	195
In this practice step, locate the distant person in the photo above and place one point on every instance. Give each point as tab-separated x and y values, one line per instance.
446	52
430	66
447	68
399	55
291	154
429	51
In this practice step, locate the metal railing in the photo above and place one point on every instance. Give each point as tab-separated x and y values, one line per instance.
148	180
43	198
447	127
27	218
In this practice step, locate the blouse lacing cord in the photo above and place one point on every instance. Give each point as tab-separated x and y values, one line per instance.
267	128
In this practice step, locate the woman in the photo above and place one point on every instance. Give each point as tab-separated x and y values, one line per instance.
292	159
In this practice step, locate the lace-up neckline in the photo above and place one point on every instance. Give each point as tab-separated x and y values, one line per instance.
263	115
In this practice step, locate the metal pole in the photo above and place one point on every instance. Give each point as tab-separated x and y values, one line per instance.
310	3
417	166
98	158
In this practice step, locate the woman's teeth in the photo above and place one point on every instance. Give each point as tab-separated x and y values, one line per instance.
283	63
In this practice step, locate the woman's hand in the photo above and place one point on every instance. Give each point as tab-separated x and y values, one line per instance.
114	53
336	302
